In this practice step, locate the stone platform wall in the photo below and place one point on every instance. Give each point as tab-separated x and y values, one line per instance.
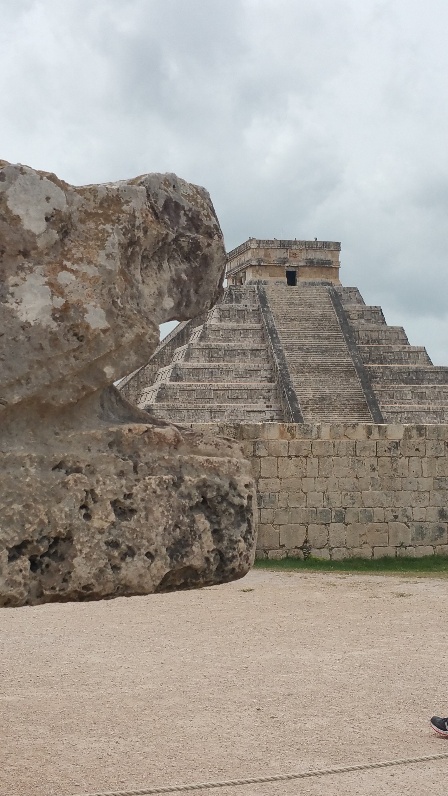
341	490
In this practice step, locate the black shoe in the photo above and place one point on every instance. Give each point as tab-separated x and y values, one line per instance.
440	726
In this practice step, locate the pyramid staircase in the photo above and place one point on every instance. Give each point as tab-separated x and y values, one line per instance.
223	373
271	352
408	387
320	365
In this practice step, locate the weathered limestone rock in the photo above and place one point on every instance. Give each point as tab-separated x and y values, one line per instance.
95	499
88	274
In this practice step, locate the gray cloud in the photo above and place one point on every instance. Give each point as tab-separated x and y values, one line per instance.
302	119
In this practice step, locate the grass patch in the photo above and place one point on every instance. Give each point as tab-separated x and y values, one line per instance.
423	567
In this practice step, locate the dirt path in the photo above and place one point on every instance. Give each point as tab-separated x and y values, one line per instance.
272	674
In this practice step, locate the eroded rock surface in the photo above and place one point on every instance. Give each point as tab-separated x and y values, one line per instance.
96	500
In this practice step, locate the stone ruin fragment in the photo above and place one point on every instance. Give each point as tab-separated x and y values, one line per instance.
97	499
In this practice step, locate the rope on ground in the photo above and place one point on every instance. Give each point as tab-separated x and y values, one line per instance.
323	772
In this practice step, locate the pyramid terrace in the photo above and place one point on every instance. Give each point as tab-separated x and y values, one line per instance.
289	343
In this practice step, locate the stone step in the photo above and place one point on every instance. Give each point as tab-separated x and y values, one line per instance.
204	413
184	393
418	414
360	314
227	353
320	366
371	334
349	295
232	334
414	394
224	371
384	375
394	354
233	313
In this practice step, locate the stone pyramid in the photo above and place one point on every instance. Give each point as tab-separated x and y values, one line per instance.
289	343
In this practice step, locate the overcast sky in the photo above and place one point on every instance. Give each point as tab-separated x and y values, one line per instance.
303	118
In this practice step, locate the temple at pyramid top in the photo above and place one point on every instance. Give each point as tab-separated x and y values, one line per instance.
292	261
288	342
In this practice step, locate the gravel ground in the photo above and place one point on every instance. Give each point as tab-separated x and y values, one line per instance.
272	674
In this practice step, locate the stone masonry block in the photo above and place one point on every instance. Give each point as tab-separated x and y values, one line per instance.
423	550
268	500
308	484
365	551
344	448
437	432
270	431
351	514
425	484
338	515
317	535
268	537
374	498
315	499
376	534
351	499
292	535
291	467
266	516
399	534
365	448
277	555
299	447
277	447
282	516
312	467
260	447
303	515
356	431
436	513
348	484
388	448
413	447
366	515
269	467
413	431
441	550
332	499
435	447
247	448
337	535
291	484
424	533
339	553
439	497
325	466
295	552
322	553
379	515
306	431
322	448
384	552
394	431
296	499
251	431
415	466
429	467
282	500
268	485
406	552
324	515
255	467
442	466
354	534
320	484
